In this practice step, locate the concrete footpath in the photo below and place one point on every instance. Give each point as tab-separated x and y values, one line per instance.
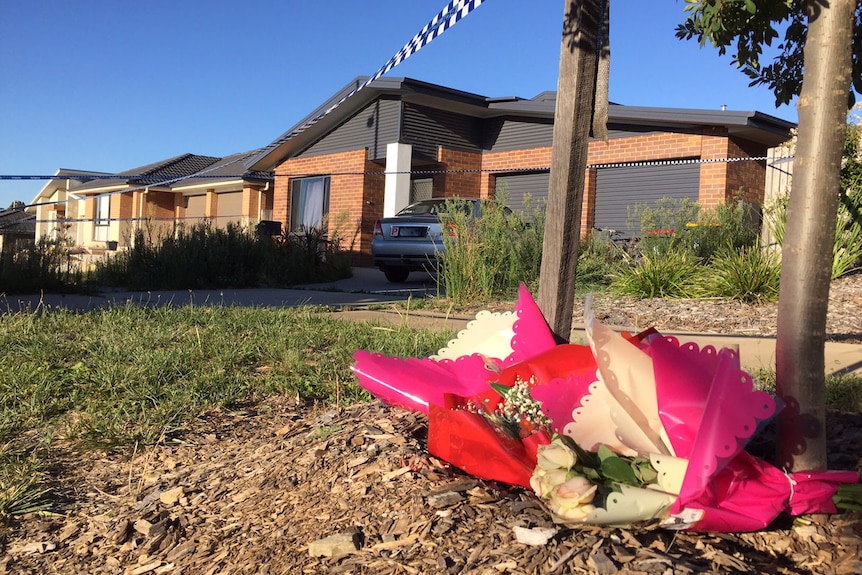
368	288
754	352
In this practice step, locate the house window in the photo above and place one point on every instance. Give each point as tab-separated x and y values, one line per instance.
103	218
58	227
309	203
421	190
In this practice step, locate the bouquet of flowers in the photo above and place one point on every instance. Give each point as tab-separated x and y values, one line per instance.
628	428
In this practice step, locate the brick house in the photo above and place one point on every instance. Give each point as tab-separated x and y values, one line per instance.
101	211
353	161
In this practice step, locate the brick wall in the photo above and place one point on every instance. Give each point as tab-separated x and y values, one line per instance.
349	187
747	177
466	184
158	214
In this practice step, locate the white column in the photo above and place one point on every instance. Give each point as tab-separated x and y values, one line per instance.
397	191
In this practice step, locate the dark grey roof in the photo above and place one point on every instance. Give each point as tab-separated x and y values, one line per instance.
755	126
163	172
16	221
235	166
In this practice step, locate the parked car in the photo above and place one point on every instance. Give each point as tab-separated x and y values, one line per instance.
412	239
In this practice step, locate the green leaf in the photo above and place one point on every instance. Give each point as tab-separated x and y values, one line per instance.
750	7
646	473
585	458
604	452
619	470
590	473
503	390
848	497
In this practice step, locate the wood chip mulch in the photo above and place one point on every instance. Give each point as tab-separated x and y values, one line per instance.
280	487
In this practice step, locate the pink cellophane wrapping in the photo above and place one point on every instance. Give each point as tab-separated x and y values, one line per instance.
647	395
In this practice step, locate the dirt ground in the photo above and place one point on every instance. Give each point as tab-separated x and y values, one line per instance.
280	486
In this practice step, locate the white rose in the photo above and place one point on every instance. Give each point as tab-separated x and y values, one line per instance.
543	481
571	500
556	455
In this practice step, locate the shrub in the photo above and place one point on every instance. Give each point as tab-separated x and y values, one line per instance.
733	224
661	228
847	247
598	258
681	224
748	274
676	273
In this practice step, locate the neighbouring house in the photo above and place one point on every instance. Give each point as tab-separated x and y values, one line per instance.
100	212
354	160
17	228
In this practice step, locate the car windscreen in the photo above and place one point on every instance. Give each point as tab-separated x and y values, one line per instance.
432	208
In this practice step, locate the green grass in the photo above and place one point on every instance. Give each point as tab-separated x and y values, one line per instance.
843	392
135	376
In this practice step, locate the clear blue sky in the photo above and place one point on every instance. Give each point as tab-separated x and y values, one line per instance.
110	85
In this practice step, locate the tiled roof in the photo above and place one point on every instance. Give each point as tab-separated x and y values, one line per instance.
234	166
230	167
172	169
169	170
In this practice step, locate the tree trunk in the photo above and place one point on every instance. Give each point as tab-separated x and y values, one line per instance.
807	251
572	119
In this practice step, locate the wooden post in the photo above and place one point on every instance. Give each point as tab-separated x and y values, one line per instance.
572	119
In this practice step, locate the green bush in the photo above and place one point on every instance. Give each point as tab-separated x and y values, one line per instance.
681	224
676	273
844	392
662	228
733	224
598	259
847	247
746	274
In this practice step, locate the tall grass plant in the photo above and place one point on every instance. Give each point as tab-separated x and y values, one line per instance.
489	256
746	274
847	246
48	265
674	274
205	257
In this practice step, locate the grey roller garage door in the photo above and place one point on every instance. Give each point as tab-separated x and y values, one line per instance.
618	189
515	188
